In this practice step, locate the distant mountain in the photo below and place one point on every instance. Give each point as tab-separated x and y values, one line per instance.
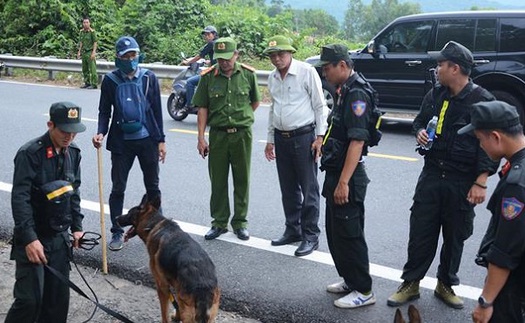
337	8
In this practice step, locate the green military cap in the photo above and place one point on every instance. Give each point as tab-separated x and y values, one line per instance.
333	53
224	48
279	43
67	117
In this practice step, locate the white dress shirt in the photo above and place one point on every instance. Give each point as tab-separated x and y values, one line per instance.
297	100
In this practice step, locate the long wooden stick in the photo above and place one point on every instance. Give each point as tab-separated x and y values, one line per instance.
102	213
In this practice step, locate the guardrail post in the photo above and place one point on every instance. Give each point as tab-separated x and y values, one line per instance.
8	70
51	75
158	78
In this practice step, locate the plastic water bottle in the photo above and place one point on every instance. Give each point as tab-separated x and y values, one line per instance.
431	132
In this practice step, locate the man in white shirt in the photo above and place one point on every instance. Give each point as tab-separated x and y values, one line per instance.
296	126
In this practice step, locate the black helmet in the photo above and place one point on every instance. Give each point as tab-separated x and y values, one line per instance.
209	29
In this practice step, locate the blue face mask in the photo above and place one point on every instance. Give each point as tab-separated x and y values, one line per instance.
127	66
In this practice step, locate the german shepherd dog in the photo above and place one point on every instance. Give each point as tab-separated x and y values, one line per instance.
177	262
413	315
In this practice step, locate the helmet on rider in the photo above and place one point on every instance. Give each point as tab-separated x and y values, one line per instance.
209	29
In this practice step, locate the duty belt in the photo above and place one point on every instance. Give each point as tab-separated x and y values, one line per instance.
297	132
229	129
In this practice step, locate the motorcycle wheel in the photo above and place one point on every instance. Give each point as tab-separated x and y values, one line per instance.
175	104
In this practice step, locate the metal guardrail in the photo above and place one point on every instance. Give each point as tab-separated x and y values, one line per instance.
52	64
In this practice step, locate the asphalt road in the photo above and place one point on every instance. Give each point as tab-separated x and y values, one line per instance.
257	280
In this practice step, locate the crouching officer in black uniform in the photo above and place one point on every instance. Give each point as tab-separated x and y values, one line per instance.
452	182
497	126
345	182
45	202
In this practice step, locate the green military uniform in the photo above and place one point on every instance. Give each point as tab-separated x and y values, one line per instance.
89	67
230	116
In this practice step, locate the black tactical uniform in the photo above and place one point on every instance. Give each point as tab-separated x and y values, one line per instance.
345	223
504	241
39	296
440	199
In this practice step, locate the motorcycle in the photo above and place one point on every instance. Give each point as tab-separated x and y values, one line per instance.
177	98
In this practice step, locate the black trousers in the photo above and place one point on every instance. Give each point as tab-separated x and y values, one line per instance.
345	230
440	205
39	295
147	152
297	171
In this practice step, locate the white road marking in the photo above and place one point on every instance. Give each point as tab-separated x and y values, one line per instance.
384	272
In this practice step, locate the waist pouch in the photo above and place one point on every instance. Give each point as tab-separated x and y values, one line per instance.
57	204
334	153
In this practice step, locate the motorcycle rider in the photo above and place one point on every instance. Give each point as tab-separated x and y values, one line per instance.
209	33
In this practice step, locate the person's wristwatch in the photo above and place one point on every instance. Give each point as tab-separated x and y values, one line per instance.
483	302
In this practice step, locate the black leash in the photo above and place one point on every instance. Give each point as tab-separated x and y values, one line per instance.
87	243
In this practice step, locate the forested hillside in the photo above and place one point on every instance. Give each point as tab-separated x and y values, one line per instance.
164	28
338	8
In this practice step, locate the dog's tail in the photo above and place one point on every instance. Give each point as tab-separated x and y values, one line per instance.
207	304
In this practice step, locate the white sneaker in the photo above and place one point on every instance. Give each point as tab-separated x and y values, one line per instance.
338	288
355	299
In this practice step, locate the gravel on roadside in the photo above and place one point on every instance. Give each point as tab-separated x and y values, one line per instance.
137	302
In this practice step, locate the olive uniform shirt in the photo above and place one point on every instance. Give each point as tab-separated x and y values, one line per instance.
88	38
228	99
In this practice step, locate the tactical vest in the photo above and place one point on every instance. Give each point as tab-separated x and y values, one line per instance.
448	145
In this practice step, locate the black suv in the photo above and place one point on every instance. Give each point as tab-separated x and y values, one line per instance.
397	64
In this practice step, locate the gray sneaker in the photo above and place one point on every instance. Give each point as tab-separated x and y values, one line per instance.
338	288
116	242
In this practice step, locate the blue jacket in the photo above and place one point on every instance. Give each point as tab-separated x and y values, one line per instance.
154	124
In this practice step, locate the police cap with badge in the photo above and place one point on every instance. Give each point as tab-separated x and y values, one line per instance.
224	48
67	117
279	43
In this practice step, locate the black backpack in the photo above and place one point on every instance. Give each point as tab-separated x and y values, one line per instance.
375	117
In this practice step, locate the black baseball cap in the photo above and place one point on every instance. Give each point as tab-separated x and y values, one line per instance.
491	115
333	53
67	117
454	52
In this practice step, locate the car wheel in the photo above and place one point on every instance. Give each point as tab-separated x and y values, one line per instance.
512	100
329	93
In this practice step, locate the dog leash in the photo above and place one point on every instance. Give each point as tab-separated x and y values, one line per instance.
87	244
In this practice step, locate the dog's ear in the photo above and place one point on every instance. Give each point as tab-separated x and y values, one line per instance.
398	318
144	201
155	202
413	314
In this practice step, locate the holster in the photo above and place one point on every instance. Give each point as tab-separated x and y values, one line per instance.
56	203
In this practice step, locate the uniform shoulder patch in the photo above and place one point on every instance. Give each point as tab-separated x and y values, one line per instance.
359	107
248	67
208	70
511	208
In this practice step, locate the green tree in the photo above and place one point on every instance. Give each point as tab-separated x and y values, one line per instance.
318	19
353	21
362	22
157	24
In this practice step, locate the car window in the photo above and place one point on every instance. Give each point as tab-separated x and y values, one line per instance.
409	37
485	40
512	37
459	30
